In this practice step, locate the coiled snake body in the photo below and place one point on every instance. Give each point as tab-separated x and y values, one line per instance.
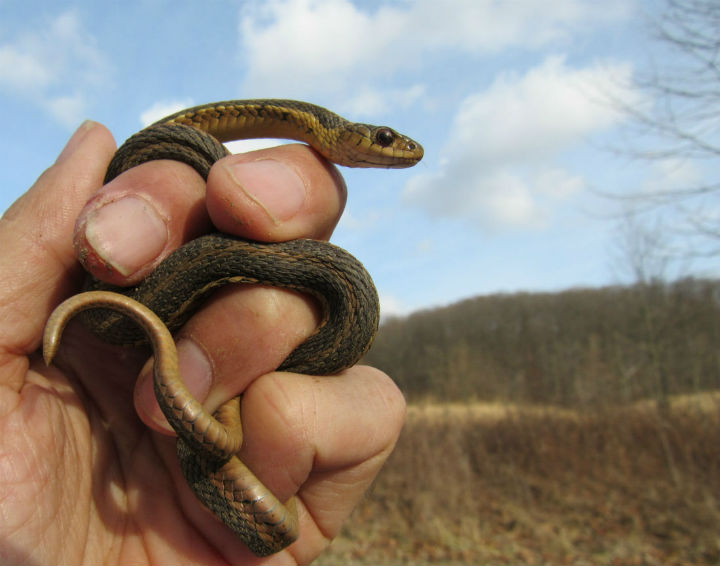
208	444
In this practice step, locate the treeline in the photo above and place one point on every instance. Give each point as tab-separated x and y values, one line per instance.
583	347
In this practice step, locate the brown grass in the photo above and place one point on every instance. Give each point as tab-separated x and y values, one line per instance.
487	483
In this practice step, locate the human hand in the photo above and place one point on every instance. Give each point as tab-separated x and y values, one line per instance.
83	479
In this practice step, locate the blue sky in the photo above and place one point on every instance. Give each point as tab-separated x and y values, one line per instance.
510	100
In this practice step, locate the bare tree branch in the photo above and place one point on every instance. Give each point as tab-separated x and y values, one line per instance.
678	120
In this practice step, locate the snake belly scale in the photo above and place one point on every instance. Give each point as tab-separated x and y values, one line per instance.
149	312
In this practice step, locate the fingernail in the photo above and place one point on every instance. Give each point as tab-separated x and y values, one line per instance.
127	233
272	184
75	140
196	373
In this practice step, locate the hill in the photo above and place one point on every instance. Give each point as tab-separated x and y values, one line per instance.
582	347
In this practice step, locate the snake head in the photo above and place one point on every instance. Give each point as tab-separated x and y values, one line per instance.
378	146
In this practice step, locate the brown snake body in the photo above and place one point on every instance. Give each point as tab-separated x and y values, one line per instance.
208	444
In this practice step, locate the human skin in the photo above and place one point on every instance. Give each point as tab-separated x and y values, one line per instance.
88	471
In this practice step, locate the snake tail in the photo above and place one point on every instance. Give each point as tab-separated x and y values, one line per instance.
206	447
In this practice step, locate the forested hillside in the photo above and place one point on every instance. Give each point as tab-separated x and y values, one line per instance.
577	347
578	427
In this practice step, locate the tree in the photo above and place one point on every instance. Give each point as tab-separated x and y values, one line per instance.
678	121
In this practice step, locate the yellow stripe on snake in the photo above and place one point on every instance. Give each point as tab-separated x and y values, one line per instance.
149	312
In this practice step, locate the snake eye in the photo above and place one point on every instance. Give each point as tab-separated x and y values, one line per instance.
384	137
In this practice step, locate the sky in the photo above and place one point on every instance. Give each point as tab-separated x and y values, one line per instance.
512	101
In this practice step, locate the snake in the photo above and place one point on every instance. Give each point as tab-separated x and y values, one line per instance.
150	312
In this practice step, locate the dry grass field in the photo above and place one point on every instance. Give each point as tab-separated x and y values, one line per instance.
483	483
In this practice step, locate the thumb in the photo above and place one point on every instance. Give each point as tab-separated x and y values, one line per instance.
38	265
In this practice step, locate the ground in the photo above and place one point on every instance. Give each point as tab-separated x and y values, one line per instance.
498	484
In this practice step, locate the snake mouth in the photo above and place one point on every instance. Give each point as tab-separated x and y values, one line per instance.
386	165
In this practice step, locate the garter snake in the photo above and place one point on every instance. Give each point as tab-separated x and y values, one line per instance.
159	305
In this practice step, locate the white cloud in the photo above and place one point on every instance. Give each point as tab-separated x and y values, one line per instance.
306	43
372	101
55	67
558	183
498	168
488	26
244	146
548	108
68	110
391	306
672	174
163	108
494	199
22	71
310	47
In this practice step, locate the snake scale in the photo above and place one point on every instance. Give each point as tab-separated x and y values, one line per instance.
149	312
